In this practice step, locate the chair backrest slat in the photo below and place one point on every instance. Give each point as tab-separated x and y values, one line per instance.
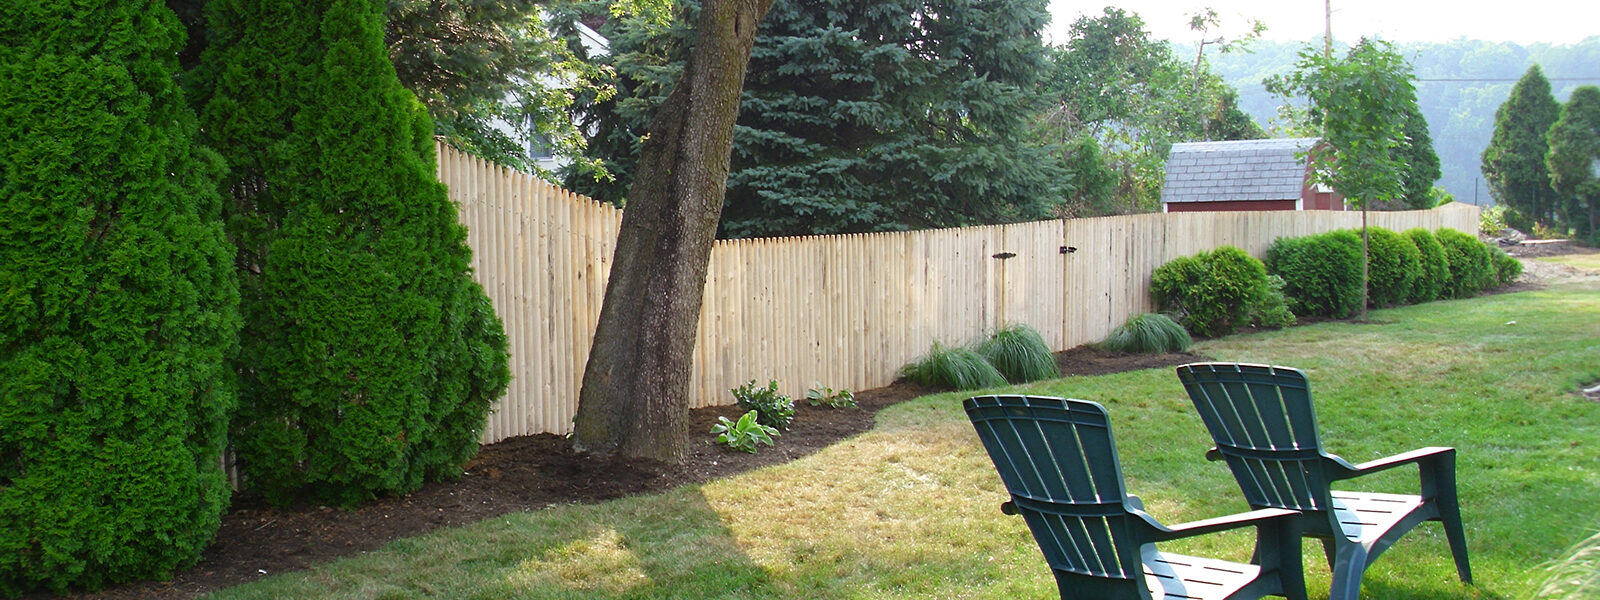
1057	458
1264	425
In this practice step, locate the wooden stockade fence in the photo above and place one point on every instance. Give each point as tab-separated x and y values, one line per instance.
844	311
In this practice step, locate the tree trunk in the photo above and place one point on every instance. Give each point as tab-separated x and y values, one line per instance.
635	395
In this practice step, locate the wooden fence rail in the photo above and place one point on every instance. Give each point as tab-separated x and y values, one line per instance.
843	311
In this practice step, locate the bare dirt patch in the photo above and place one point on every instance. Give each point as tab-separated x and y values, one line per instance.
529	473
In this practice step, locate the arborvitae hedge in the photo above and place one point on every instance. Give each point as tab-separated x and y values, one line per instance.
1321	273
370	356
118	304
1435	267
1214	292
1393	267
1471	266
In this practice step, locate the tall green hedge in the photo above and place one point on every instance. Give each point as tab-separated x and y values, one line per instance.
1472	267
118	303
370	357
1214	292
1321	273
1393	266
1430	282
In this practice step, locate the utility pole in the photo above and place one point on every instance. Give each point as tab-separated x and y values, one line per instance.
1327	23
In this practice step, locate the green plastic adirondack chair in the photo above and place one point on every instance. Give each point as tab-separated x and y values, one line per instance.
1057	459
1262	421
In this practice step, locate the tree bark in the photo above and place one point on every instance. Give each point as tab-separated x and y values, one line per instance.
635	395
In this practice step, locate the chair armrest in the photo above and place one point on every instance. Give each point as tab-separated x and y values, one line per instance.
1009	507
1417	456
1213	454
1235	521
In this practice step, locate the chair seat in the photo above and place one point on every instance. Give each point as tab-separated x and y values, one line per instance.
1366	516
1178	577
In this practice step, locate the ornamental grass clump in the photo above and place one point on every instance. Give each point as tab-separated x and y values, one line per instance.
1150	333
953	368
1020	354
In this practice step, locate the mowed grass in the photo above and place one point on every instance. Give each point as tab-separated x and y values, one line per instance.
1582	261
911	508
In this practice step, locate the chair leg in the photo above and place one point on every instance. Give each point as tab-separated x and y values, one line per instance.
1450	517
1347	569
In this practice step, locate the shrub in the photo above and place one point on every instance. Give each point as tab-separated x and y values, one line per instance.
772	407
118	302
1273	310
1020	354
1471	266
1149	333
953	368
370	357
746	434
1321	273
820	395
1435	268
1213	292
1492	221
1393	267
1506	268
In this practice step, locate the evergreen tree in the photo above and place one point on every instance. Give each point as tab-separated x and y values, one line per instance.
1421	162
1574	161
1514	160
118	303
370	356
872	116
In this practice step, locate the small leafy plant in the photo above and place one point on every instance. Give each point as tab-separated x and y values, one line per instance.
745	435
820	395
772	408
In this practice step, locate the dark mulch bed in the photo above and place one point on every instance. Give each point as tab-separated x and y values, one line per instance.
530	473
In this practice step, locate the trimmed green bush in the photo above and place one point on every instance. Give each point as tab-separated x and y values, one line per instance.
1214	292
1393	267
1506	268
1149	333
370	357
1020	354
1471	266
1435	268
118	302
1321	273
953	368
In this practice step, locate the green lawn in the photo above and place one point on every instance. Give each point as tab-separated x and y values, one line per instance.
910	509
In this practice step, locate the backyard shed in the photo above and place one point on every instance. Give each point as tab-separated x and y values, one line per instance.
1243	175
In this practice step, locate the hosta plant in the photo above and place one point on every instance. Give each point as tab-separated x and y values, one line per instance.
745	435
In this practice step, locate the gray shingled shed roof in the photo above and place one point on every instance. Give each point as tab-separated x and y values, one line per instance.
1236	170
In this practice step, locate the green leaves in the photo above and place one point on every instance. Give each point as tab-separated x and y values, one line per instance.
746	435
1574	160
1363	102
1514	160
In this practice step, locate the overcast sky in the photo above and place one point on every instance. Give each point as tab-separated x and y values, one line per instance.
1521	21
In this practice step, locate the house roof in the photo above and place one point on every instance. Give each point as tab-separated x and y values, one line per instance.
1236	170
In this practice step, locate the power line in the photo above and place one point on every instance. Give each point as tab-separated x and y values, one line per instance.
1499	79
